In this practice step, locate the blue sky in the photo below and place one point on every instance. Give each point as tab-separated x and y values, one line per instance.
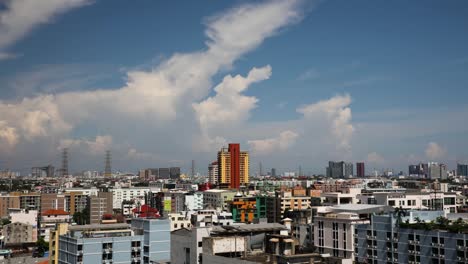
396	69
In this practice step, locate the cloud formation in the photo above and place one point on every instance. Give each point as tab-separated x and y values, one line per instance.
20	17
229	106
338	115
375	158
285	140
434	151
161	98
98	146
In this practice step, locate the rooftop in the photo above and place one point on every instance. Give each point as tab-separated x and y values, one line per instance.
98	227
361	208
248	228
55	212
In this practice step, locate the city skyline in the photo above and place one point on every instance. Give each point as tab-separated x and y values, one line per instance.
296	83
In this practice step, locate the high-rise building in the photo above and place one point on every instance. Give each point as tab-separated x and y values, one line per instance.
99	205
360	169
339	169
164	173
233	166
273	172
462	169
213	172
437	171
174	172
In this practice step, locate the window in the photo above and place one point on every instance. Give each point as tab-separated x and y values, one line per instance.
200	244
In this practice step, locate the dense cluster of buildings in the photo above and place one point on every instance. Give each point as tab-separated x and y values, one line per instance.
229	216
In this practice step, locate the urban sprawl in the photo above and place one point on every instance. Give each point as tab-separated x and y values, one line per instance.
232	215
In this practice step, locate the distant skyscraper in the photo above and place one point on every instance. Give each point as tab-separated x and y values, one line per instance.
64	170
213	172
174	172
233	166
164	173
462	169
339	169
108	170
421	170
360	169
437	171
273	172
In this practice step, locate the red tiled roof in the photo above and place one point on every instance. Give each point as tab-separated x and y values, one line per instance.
54	212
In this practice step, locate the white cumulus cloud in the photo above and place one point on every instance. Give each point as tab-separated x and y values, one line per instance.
337	113
229	106
98	146
8	136
266	146
434	151
375	158
159	100
19	17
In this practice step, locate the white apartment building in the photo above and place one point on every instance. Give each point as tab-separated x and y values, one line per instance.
415	200
86	191
179	220
290	202
337	198
194	201
127	194
334	228
217	198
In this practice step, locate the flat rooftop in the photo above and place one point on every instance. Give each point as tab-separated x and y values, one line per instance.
248	228
98	227
361	208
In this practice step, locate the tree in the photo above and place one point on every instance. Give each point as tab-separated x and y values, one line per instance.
442	221
42	246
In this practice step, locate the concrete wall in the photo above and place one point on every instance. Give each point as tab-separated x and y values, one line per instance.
211	259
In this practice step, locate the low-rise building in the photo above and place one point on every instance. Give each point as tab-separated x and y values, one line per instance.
446	201
383	240
218	199
335	226
145	241
49	221
17	234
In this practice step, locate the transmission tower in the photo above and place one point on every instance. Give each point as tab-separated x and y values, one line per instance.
64	170
108	169
260	167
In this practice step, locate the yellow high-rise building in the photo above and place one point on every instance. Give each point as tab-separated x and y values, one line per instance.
233	166
61	229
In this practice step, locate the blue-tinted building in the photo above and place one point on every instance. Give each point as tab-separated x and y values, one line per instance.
383	241
145	241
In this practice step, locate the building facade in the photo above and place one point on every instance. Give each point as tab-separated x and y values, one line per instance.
360	169
99	206
145	241
233	166
462	169
383	241
213	172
